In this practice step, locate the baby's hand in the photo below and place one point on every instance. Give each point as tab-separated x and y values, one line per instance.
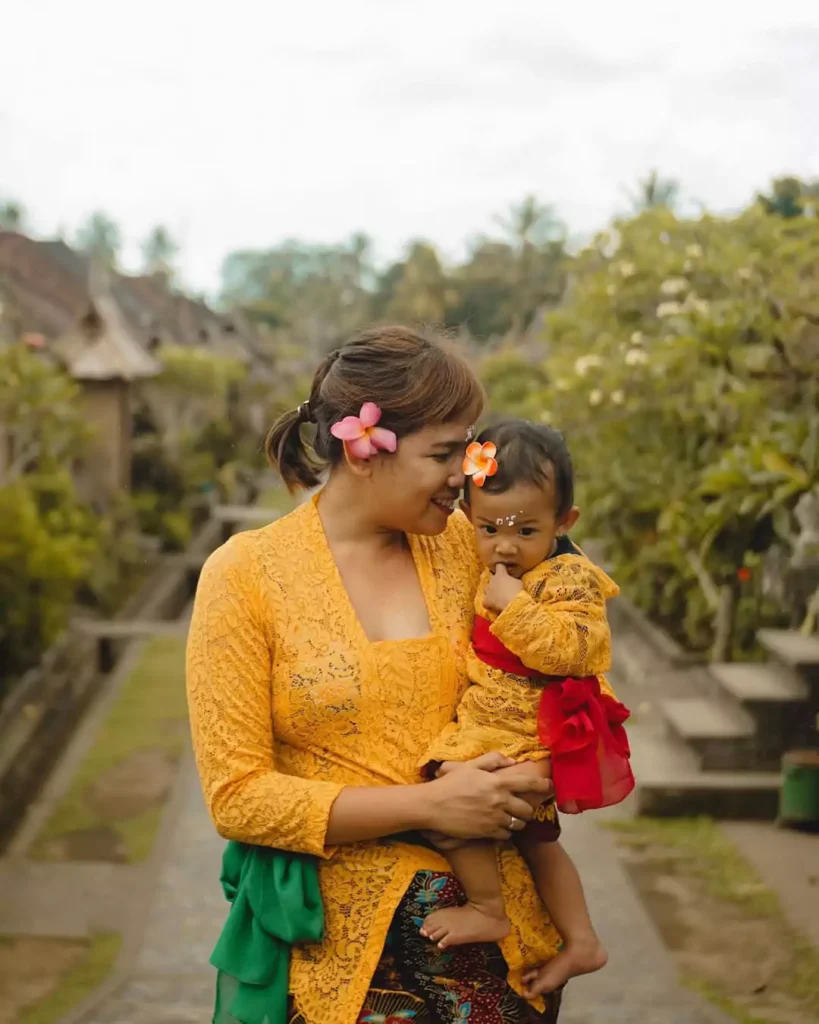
502	589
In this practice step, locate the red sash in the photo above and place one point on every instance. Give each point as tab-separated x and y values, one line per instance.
580	725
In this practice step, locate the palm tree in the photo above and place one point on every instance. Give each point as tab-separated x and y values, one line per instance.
158	251
533	229
100	237
12	215
655	193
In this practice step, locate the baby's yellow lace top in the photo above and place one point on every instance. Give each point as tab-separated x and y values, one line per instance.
290	702
557	626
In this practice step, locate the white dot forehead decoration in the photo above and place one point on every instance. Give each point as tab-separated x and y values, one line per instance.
508	520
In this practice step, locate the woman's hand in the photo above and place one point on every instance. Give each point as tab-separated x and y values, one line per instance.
477	801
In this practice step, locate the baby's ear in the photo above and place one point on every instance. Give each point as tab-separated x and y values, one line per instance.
569	520
466	508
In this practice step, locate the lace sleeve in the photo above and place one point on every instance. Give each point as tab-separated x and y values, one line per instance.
229	658
561	628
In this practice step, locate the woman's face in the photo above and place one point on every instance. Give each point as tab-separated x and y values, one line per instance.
416	489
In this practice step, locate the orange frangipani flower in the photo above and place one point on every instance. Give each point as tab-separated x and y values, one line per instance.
480	462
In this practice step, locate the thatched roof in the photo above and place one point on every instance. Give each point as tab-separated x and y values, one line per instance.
102	345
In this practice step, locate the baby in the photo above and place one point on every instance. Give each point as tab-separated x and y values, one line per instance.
540	644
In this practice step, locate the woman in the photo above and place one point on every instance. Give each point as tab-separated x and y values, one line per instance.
326	651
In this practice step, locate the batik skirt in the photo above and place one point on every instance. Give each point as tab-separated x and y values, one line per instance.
417	982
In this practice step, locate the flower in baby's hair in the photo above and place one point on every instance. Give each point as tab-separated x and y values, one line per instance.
363	435
480	462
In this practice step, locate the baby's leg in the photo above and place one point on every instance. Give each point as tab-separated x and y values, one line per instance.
483	918
560	888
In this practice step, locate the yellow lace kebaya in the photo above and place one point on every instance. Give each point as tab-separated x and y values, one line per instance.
290	702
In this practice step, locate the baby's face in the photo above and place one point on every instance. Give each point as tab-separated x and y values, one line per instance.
517	528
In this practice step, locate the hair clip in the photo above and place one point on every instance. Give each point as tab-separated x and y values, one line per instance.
480	462
362	435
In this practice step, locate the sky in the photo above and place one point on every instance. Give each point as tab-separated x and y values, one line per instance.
239	124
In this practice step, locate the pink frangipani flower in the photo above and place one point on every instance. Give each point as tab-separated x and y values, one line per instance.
362	435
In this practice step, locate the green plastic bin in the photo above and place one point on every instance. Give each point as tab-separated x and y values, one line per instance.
799	795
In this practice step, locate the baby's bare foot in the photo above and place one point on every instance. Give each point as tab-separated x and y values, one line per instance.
582	956
457	926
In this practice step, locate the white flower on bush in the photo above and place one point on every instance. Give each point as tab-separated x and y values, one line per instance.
694	251
637	338
673	286
618	397
595	397
669	309
701	306
636	357
627	269
583	364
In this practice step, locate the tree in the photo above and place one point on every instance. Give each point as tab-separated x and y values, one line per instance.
319	293
537	237
158	251
47	540
654	192
790	197
12	215
100	237
419	293
684	368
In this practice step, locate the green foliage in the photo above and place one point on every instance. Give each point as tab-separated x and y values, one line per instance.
100	237
12	215
158	251
47	545
655	192
39	412
789	197
684	369
515	384
323	294
47	541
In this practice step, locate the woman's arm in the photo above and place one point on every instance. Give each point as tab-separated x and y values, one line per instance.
229	665
229	660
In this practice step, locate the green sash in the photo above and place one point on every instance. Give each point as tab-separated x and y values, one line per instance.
275	902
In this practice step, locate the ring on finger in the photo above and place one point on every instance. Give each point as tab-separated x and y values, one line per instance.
513	822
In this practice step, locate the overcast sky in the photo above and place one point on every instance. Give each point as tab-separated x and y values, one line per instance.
402	118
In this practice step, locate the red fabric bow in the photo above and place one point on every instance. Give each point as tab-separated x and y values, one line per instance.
583	728
580	725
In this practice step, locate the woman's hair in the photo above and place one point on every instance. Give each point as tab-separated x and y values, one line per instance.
414	377
524	451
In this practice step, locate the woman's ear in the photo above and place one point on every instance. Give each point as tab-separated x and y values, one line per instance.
358	467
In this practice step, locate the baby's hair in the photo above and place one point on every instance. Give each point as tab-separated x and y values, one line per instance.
524	450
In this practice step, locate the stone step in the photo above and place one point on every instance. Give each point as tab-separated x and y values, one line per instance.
791	648
760	683
726	795
721	733
671	784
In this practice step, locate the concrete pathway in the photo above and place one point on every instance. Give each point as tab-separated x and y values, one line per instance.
639	985
172	983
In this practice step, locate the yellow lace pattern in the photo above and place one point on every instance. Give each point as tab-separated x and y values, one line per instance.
557	626
289	702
